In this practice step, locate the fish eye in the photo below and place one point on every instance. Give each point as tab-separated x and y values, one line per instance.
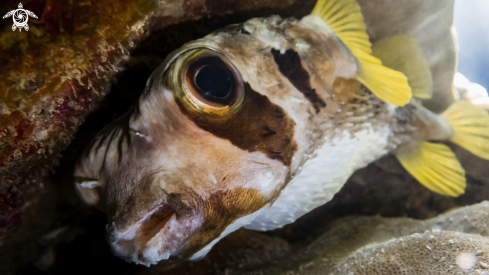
212	83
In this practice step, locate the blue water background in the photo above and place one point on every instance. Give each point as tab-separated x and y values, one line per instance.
472	25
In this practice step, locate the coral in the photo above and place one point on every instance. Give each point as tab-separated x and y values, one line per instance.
472	92
434	252
452	243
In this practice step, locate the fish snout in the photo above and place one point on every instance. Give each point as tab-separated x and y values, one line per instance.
161	233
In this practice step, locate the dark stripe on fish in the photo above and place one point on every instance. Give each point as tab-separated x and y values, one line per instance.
290	66
118	129
259	125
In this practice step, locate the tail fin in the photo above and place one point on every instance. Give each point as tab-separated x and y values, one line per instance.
436	167
470	126
345	19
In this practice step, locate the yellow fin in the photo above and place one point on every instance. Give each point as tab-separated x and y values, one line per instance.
436	167
402	53
470	126
345	19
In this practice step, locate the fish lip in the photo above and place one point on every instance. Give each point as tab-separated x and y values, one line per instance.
154	222
130	242
132	245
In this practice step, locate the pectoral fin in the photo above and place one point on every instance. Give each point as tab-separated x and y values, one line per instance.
402	53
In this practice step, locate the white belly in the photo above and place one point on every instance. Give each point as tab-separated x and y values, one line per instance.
323	175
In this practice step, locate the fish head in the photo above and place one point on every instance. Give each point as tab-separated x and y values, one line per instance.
212	141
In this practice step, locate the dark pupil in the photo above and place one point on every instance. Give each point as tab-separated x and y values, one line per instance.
214	81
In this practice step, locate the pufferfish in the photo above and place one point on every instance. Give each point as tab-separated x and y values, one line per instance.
259	123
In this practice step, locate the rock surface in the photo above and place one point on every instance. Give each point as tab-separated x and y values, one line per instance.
453	243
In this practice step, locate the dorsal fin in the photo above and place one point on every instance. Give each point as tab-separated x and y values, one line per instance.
345	19
402	53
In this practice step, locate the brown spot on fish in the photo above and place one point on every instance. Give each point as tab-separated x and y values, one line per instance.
259	125
222	209
268	132
290	66
348	90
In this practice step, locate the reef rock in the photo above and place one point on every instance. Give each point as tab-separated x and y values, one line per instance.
453	243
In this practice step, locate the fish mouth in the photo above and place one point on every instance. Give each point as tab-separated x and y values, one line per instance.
158	235
154	223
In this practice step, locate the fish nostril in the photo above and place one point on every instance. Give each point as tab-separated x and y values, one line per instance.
153	224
